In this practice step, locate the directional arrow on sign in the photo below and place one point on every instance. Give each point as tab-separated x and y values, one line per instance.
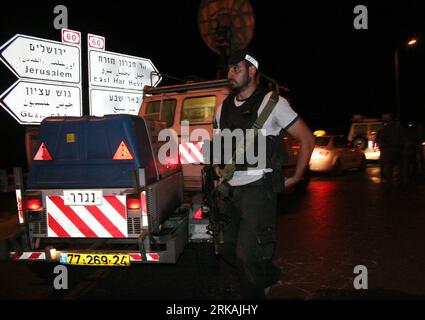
30	102
35	58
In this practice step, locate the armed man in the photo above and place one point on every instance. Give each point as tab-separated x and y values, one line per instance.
250	233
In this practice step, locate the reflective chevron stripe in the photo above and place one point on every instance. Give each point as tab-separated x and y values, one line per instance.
191	153
28	256
137	257
108	220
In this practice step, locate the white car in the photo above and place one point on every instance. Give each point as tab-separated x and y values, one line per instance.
333	153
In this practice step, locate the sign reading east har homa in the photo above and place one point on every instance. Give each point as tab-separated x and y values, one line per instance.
114	70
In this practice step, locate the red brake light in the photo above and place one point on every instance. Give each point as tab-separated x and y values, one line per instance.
43	153
134	203
34	205
122	153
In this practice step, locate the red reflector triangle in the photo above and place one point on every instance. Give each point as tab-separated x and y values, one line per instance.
122	153
43	153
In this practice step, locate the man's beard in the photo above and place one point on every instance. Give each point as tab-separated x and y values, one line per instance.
236	89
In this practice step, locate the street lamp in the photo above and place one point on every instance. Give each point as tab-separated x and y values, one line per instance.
410	43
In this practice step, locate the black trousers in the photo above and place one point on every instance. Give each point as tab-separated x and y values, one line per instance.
250	236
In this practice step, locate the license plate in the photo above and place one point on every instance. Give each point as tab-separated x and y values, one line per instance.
99	260
83	197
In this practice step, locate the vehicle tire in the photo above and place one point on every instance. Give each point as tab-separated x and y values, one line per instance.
337	168
360	143
362	166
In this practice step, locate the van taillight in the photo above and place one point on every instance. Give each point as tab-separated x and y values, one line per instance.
134	202
34	204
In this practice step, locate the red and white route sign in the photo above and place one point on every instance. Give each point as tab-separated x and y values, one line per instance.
95	42
71	36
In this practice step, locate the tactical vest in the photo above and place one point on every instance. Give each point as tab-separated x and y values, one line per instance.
243	117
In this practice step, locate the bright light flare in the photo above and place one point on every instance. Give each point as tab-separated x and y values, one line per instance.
134	203
34	205
319	155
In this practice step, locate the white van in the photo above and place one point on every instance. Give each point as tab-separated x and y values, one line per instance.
194	102
197	102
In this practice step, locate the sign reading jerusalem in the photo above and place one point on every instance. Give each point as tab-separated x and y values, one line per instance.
41	59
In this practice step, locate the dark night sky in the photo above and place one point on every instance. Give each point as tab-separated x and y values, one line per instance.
332	69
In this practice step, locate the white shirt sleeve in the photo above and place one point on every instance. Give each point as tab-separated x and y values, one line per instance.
282	117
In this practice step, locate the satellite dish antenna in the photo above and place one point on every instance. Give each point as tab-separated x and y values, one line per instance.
226	26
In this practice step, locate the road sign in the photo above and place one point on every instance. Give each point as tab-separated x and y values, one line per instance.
71	36
95	42
35	58
104	102
49	75
114	70
30	102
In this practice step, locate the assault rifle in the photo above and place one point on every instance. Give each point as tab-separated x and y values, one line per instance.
213	198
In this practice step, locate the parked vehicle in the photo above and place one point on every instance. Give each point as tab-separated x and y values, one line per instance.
362	135
98	194
334	153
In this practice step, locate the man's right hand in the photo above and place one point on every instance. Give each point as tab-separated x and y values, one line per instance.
291	182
